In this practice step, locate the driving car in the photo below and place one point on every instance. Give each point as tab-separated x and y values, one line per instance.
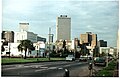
83	58
70	58
100	61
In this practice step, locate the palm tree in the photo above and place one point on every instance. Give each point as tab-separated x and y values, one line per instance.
25	45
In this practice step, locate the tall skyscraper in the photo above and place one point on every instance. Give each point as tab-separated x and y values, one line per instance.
51	37
88	38
63	27
94	40
8	36
23	26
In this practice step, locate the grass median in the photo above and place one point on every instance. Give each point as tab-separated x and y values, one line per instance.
22	60
107	71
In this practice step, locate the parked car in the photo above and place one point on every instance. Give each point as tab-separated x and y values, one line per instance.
100	61
83	58
70	58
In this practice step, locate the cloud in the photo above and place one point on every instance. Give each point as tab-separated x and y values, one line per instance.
99	17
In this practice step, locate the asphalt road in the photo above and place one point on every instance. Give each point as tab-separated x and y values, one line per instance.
46	69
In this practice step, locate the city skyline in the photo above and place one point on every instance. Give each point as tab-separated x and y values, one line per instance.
98	17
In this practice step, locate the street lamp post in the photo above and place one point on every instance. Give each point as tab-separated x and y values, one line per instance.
37	48
49	42
107	58
9	48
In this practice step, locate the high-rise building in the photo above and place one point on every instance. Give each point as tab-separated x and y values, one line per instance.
94	40
8	36
51	38
63	27
23	26
102	43
89	39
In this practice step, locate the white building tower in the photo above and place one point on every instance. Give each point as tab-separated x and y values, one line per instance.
63	27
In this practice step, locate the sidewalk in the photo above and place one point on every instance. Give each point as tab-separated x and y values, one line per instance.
85	72
82	71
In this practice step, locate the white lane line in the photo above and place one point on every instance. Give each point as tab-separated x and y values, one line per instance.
39	70
60	68
52	68
27	66
16	67
36	66
22	66
9	68
67	65
19	66
44	67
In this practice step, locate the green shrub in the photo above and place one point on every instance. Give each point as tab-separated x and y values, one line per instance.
108	71
104	73
111	66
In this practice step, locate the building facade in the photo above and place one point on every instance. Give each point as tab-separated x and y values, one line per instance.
23	26
110	50
25	35
102	43
51	38
41	39
8	36
63	27
88	38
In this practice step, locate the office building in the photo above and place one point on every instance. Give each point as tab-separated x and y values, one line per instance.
51	38
110	50
8	36
94	40
23	26
41	39
89	39
63	27
102	43
23	35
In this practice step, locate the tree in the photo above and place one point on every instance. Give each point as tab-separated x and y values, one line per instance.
64	44
25	45
2	48
84	50
103	54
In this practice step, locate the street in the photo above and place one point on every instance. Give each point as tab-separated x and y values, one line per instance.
46	69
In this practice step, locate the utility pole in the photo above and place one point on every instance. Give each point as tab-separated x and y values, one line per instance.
9	47
49	41
107	57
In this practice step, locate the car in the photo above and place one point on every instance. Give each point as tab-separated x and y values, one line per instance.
101	61
70	58
83	58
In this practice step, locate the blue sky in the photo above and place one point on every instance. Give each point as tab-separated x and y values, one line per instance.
97	16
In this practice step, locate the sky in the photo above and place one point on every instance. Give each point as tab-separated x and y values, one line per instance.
100	17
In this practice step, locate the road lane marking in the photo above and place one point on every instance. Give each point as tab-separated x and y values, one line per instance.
67	65
44	67
39	70
9	68
52	68
22	66
19	66
60	68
